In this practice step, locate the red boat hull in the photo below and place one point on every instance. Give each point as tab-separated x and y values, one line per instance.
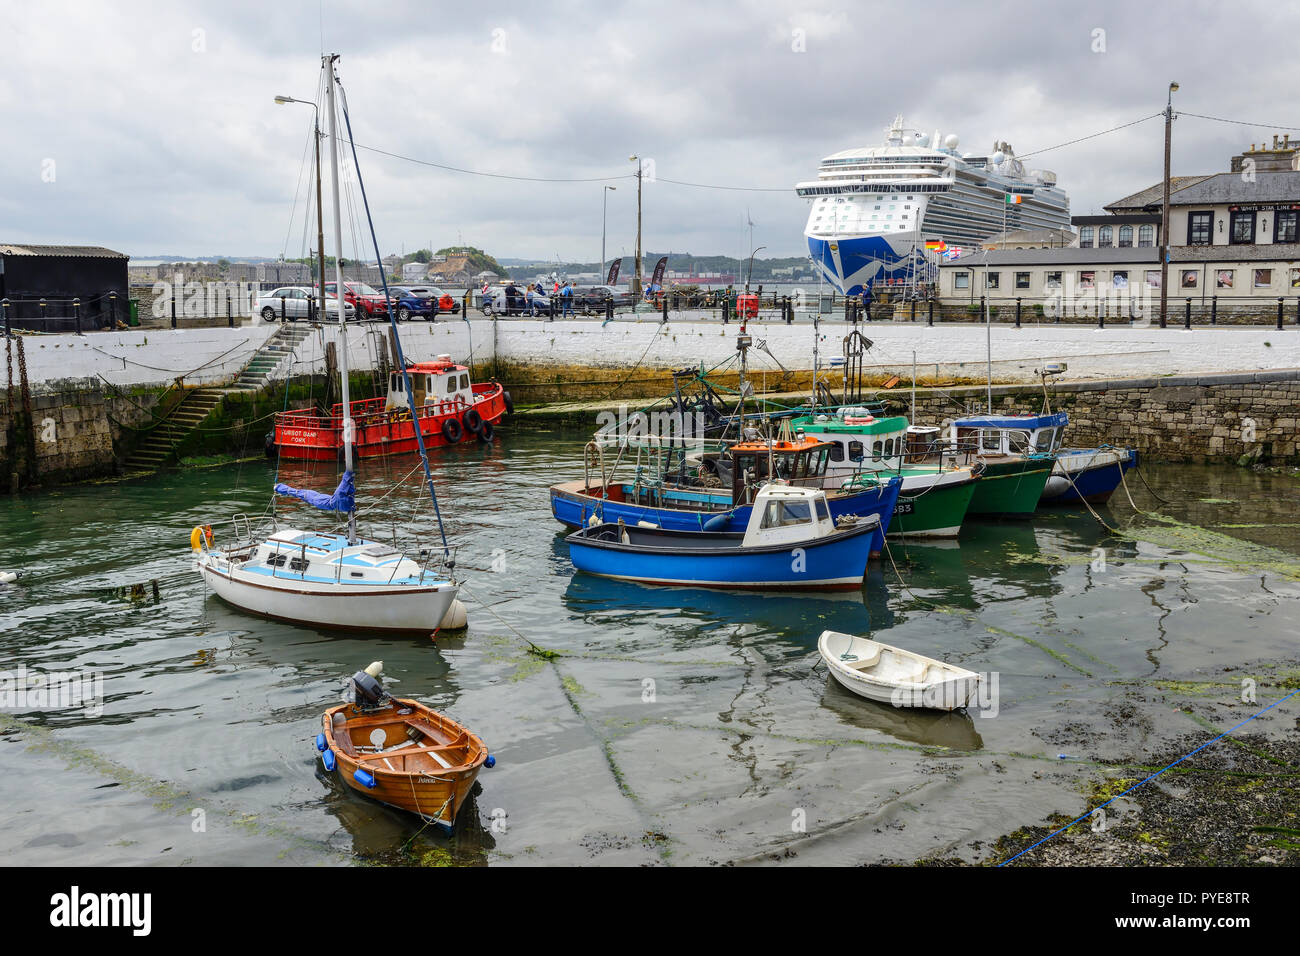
308	436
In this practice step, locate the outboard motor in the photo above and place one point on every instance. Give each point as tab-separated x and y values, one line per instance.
368	691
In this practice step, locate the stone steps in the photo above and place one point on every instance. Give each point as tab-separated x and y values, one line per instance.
158	448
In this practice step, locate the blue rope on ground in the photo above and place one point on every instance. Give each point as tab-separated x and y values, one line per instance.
1152	777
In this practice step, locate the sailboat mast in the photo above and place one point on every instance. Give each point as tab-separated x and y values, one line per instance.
348	427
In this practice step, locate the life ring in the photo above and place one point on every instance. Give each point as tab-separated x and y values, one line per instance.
510	405
452	431
485	433
198	534
473	420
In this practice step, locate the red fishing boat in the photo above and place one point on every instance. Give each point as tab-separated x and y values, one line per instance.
449	407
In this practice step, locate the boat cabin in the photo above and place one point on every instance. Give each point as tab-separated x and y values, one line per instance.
802	461
784	514
858	438
1009	434
439	381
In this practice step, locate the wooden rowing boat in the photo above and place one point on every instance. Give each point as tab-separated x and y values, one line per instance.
891	675
401	752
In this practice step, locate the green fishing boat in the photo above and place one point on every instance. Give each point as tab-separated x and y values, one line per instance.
1014	472
936	492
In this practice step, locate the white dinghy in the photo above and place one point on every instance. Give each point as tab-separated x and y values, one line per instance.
891	675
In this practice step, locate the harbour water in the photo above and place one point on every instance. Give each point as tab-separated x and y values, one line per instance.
661	726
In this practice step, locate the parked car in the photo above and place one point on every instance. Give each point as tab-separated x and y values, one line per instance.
591	299
367	301
408	304
446	303
293	303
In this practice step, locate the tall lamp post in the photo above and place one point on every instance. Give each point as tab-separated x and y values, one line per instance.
604	195
750	274
320	214
1164	212
636	277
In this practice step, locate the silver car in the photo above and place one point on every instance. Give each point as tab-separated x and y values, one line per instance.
291	303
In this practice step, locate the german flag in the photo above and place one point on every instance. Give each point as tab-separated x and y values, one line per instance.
935	245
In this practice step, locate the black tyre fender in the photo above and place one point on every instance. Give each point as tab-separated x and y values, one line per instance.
452	431
485	433
510	405
473	420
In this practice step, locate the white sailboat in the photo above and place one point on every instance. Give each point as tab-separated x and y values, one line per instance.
326	578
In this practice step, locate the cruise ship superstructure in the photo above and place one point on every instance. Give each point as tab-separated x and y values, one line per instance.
874	209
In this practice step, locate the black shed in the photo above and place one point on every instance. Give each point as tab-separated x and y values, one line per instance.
80	286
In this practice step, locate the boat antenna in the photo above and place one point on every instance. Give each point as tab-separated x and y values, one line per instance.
348	425
397	340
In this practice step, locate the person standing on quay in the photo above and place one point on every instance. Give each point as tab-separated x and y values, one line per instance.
566	296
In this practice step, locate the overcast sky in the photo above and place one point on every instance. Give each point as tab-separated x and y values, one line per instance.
149	127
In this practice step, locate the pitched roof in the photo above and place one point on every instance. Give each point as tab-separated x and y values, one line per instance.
1232	188
1154	194
84	252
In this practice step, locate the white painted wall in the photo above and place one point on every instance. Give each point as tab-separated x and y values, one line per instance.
145	356
214	355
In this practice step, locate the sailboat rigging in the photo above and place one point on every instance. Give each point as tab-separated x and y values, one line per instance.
323	578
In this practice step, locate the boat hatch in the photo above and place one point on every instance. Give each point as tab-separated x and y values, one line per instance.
380	551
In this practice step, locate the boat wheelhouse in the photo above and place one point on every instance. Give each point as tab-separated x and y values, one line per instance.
450	408
937	488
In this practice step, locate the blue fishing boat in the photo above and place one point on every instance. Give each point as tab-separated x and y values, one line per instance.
1080	474
790	542
715	490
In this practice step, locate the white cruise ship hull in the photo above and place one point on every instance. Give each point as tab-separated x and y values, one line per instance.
849	262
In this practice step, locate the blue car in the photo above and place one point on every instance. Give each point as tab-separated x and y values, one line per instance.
406	304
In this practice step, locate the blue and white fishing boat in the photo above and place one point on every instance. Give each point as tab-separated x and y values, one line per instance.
790	542
1080	474
714	491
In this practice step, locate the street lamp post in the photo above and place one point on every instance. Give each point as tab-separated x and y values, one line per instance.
320	214
1164	213
750	274
604	195
636	276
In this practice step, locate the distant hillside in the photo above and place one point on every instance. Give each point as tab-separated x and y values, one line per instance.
478	260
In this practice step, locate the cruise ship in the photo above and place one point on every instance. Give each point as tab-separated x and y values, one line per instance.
875	209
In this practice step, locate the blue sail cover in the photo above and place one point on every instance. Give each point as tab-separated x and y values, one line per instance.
343	499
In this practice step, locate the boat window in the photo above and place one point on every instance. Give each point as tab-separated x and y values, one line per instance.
823	512
990	440
1018	442
837	452
856	451
464	381
297	564
451	384
783	514
876	449
1046	439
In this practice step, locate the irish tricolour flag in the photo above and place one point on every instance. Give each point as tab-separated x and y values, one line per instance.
1013	199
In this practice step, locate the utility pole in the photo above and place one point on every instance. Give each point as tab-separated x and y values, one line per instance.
1164	213
636	277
